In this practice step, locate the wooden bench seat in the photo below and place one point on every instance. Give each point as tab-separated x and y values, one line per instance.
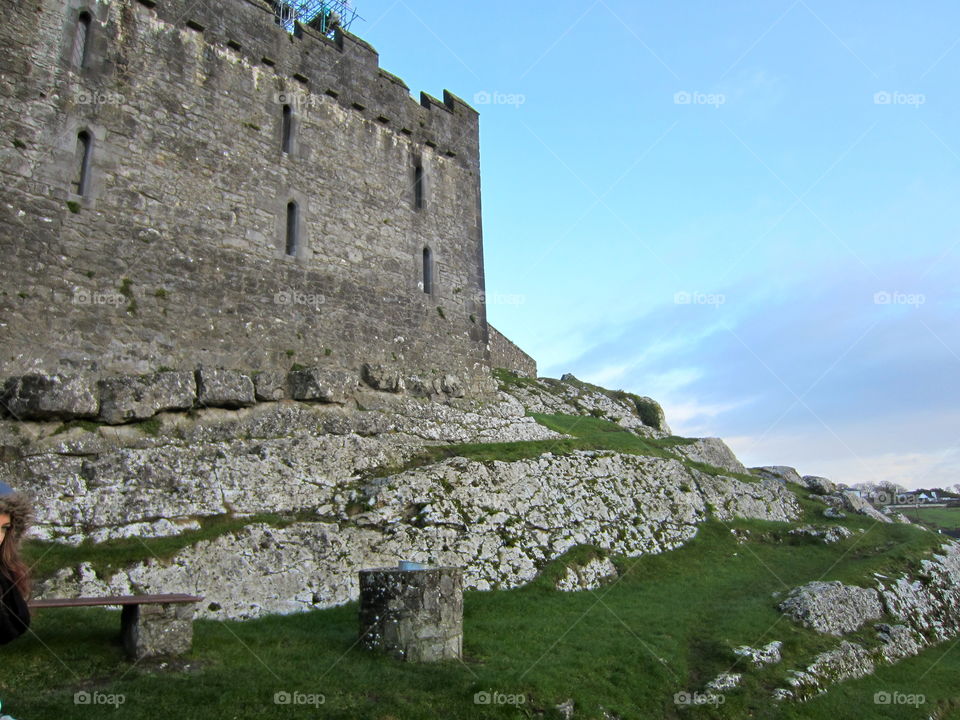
150	625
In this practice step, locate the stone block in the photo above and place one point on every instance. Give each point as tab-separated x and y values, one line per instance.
48	397
138	397
413	615
383	377
321	384
270	386
224	388
157	630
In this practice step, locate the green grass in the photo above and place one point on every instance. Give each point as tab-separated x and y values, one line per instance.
667	626
589	433
87	425
507	379
649	411
942	518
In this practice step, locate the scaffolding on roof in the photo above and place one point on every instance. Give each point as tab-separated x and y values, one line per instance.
327	16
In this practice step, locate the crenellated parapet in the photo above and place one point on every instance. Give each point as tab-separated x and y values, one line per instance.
346	68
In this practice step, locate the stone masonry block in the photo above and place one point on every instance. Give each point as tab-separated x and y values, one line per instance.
413	615
47	397
155	630
224	388
138	397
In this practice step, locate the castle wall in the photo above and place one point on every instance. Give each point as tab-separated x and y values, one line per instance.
175	254
506	354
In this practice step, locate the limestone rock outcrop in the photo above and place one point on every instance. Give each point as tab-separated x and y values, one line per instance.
712	451
589	576
832	607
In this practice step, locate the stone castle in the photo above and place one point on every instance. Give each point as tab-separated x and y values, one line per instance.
189	184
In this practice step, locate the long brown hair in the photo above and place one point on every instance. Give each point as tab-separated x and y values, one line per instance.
18	508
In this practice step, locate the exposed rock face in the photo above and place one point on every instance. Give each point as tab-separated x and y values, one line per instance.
224	388
769	654
712	451
928	611
779	472
571	397
323	466
929	604
829	533
819	485
498	521
590	576
857	504
43	397
832	607
138	397
725	681
898	641
268	458
848	661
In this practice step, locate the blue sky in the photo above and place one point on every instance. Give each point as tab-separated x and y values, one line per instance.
746	210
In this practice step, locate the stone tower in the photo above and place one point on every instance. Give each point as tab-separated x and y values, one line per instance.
190	184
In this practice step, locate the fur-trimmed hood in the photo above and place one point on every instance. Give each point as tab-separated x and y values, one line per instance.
20	510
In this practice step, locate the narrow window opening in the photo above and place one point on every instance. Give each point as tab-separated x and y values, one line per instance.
293	229
287	139
418	187
427	271
84	149
81	40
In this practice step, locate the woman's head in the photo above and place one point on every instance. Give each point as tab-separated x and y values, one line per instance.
15	518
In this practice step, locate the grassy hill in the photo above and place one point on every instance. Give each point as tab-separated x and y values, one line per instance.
666	626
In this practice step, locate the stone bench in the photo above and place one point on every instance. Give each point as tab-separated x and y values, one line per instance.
150	625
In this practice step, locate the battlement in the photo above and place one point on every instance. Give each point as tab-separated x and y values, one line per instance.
308	63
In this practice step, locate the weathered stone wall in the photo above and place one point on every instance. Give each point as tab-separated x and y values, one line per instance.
505	354
175	254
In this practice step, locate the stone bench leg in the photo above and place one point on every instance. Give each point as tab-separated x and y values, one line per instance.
152	630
